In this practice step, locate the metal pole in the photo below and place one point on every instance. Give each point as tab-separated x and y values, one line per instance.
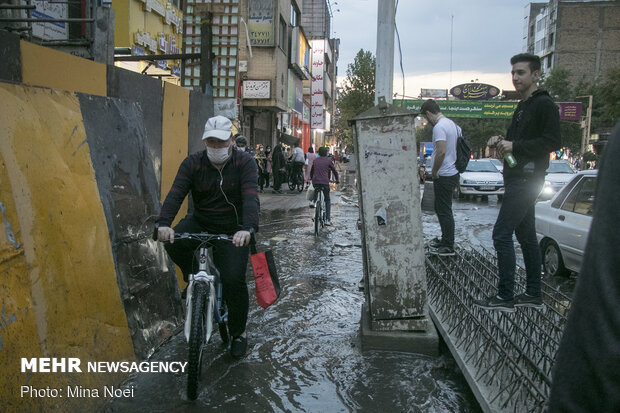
586	129
206	64
384	77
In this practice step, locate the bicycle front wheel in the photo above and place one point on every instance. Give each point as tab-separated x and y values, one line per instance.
318	214
300	181
196	339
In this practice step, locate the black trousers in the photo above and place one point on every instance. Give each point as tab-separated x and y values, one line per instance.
443	187
231	262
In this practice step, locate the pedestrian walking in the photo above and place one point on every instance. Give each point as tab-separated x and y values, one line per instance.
261	162
445	174
269	166
532	135
279	168
310	157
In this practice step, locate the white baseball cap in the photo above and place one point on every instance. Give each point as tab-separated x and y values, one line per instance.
218	127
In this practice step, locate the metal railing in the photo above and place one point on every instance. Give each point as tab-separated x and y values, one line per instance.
506	357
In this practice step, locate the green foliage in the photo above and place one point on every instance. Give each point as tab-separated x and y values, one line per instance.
478	131
558	85
609	95
357	94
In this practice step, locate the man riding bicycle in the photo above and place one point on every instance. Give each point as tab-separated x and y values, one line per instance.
223	184
321	168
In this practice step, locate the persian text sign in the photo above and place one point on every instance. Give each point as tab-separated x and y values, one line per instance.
570	110
500	109
317	99
260	22
474	91
256	89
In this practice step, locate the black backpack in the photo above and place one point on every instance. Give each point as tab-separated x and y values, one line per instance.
463	153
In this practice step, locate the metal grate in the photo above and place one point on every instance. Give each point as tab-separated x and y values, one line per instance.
506	357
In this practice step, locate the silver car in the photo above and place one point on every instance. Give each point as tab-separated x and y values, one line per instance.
480	178
558	174
563	224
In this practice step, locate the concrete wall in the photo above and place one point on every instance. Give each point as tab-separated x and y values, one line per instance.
87	152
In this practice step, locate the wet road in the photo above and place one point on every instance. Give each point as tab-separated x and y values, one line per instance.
304	352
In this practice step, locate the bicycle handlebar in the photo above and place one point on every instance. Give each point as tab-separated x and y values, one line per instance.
198	236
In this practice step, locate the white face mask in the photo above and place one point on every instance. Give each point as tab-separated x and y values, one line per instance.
242	149
218	156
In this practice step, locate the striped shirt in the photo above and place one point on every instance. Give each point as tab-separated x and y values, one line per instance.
223	203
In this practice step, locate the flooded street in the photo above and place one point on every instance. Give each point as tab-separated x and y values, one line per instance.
304	351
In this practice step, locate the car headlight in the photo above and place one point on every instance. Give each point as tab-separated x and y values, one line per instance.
547	183
469	182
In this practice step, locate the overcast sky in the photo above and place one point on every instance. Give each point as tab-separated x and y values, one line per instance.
486	33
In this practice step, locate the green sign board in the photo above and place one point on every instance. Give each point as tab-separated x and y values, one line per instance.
482	109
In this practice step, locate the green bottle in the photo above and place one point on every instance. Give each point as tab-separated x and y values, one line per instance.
510	159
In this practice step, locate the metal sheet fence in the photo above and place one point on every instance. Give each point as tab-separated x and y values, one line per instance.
506	357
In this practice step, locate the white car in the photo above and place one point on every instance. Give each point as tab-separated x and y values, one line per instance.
481	178
558	174
563	224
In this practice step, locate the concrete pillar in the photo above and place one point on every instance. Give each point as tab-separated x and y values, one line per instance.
395	315
102	49
384	76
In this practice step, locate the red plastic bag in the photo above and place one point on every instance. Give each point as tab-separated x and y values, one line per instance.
265	277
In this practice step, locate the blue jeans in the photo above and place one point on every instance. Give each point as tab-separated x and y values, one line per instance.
328	205
443	187
516	215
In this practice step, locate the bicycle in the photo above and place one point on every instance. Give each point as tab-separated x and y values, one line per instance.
296	178
320	212
204	306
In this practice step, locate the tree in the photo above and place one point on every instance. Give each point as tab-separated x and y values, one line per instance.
357	95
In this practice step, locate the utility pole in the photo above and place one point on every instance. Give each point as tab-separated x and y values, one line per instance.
586	129
384	76
206	61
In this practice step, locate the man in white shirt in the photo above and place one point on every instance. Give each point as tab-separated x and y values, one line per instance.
297	159
445	175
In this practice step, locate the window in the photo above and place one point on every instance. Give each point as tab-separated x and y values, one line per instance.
294	16
282	34
581	198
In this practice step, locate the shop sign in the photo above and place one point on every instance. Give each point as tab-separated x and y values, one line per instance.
176	70
173	19
317	99
145	39
155	6
499	109
261	22
570	110
49	31
256	89
434	93
474	91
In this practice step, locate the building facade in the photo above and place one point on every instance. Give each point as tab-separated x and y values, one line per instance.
581	36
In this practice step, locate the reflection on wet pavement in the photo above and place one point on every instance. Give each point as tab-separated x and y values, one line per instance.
304	353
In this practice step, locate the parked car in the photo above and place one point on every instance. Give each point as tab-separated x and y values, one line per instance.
480	178
563	224
498	164
428	169
558	174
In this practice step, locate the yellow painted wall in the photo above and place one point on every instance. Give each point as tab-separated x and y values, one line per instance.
121	23
59	288
174	148
42	66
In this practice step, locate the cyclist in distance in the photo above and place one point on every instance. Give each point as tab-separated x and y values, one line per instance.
297	160
223	185
321	167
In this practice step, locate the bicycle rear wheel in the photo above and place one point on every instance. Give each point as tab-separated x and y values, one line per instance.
291	181
318	213
196	339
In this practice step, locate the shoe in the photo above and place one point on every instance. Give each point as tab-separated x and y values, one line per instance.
311	205
328	223
238	347
525	300
277	191
496	303
435	243
443	251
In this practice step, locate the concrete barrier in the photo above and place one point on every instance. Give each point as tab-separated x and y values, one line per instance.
82	176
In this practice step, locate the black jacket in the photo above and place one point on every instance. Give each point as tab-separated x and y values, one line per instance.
535	132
